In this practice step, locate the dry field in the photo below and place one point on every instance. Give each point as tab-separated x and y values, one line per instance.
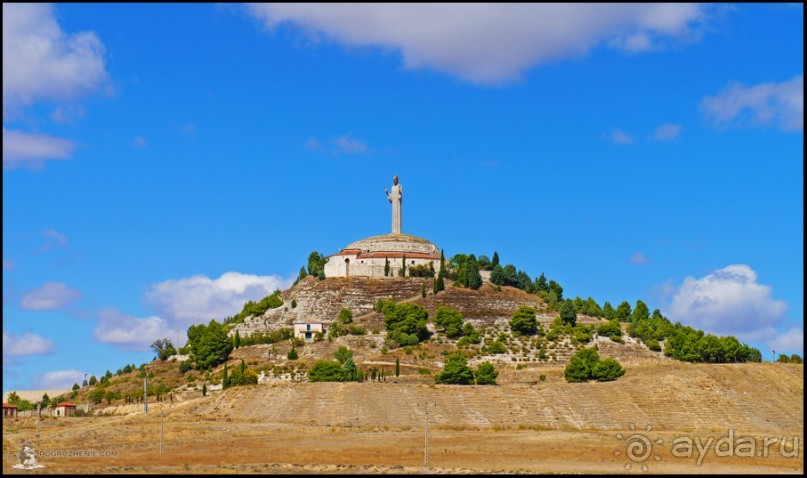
547	427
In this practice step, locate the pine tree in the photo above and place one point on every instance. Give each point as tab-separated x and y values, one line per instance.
495	261
473	279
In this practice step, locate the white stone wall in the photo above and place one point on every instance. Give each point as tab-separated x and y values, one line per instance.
370	267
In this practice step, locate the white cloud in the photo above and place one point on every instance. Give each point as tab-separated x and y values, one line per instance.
313	144
52	295
489	43
348	145
127	332
790	341
620	137
344	144
729	301
780	104
26	344
41	62
198	299
31	150
139	142
59	379
53	238
638	258
667	132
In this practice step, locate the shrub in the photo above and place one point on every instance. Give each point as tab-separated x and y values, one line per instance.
325	371
345	316
184	366
653	345
455	371
497	348
607	370
292	355
524	321
486	374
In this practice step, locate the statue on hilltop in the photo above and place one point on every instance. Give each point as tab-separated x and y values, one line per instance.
395	197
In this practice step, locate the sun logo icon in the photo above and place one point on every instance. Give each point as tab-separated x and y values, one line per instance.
638	448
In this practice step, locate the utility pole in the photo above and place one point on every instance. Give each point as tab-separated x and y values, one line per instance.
38	412
426	436
145	396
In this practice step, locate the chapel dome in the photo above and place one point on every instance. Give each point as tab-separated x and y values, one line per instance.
404	243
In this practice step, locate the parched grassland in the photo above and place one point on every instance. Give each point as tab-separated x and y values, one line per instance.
549	427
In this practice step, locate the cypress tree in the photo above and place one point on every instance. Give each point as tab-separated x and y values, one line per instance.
386	267
397	367
237	341
495	261
423	290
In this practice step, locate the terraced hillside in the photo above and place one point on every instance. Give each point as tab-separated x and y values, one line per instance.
673	396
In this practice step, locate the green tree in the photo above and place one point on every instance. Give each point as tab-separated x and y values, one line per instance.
109	396
225	380
237	340
510	275
406	318
93	380
640	312
556	288
579	367
292	355
397	367
345	316
423	290
484	262
540	284
75	386
163	348
97	395
386	267
204	389
302	275
495	261
450	320
473	279
567	313
524	321
209	344
497	275
402	270
342	354
455	371
316	263
623	311
608	311
45	401
486	374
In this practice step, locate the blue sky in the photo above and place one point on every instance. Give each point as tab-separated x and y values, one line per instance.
162	164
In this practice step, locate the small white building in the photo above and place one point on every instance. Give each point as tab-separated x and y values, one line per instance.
65	409
307	330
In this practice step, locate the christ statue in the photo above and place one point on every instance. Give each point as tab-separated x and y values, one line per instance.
395	197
